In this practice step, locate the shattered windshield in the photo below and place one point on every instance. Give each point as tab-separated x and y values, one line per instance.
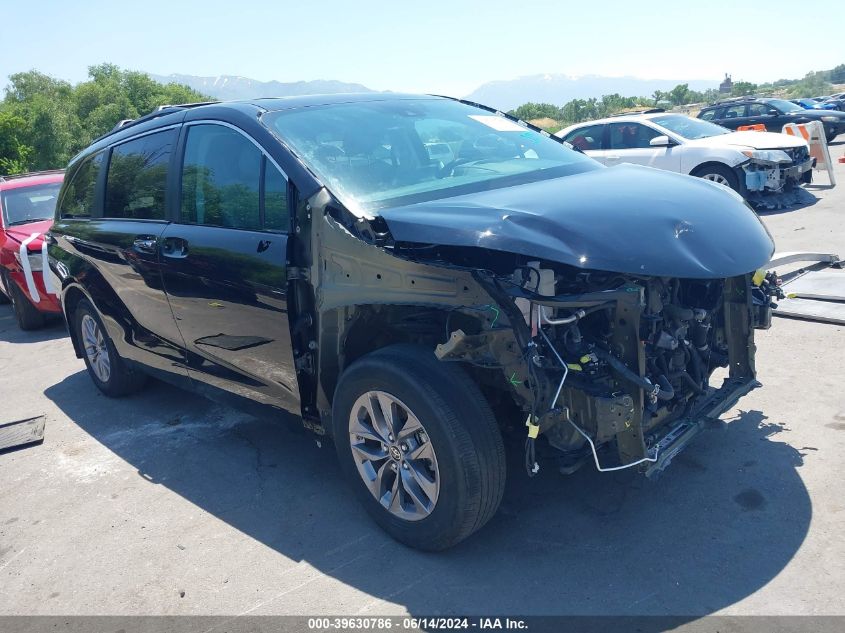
689	128
381	153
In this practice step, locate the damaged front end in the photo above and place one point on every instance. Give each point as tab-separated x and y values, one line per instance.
617	361
610	367
770	171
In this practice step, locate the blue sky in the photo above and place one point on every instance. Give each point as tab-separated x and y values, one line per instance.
424	46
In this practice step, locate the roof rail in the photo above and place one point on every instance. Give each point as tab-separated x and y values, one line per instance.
45	172
737	99
645	111
159	111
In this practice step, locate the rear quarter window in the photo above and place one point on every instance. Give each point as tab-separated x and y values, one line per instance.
137	177
707	115
78	198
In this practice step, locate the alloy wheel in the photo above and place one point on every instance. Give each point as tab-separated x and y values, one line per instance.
717	178
95	348
394	455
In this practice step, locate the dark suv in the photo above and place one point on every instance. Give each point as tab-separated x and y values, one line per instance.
415	277
773	113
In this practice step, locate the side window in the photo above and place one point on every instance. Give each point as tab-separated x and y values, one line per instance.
758	109
631	136
586	138
221	175
78	198
735	112
137	177
276	215
708	115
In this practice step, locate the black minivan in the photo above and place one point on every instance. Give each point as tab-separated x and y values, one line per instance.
414	277
771	113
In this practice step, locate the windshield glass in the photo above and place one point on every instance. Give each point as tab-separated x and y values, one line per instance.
29	204
783	105
689	128
383	153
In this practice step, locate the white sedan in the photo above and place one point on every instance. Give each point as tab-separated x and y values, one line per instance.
744	161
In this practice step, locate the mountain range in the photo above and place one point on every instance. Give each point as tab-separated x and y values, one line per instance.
231	87
503	94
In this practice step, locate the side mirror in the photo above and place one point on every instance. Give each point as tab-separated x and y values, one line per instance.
662	141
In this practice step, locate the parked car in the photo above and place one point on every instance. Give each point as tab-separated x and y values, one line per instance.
744	161
310	255
773	113
814	104
27	206
833	102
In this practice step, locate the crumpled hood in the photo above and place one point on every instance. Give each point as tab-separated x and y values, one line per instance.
627	219
750	140
21	232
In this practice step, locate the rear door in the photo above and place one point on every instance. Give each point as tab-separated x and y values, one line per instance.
224	265
733	116
589	139
628	142
118	235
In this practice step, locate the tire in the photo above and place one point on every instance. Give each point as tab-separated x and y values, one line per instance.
3	298
28	317
830	134
457	429
112	374
718	174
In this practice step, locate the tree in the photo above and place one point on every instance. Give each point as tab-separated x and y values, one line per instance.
45	121
679	95
14	155
743	88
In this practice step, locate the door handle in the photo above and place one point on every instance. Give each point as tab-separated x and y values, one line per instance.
612	157
145	244
174	247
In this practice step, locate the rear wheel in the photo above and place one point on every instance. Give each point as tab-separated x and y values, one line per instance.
420	444
719	174
112	375
28	317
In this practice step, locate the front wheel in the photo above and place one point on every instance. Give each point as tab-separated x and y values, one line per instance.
112	375
420	444
27	315
719	174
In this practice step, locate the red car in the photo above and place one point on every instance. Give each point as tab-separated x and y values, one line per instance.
27	203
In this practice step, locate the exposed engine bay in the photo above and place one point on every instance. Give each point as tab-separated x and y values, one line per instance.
776	171
616	359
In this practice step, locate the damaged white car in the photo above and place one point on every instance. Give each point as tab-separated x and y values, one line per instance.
750	163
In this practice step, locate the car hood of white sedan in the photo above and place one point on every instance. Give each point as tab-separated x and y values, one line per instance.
750	140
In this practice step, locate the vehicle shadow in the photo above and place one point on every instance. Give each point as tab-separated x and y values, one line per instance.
722	523
10	332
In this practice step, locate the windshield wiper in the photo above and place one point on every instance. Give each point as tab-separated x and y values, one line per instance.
27	221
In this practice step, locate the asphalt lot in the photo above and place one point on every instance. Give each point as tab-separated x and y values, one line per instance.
165	503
